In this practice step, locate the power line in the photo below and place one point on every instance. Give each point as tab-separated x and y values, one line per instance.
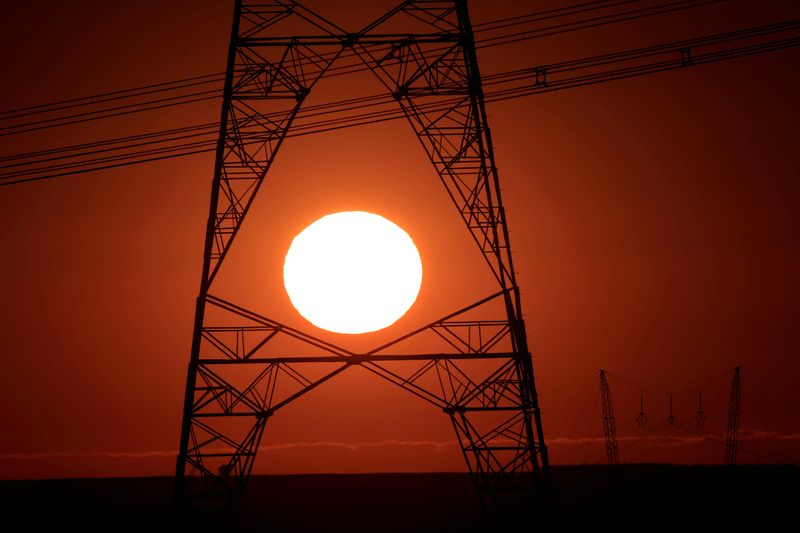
630	383
113	112
375	108
155	88
108	142
549	14
596	22
346	69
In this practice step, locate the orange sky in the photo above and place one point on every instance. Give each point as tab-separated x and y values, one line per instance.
654	222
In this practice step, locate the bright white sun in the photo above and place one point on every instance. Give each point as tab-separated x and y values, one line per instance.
352	272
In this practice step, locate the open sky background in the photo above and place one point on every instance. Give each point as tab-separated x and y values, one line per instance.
655	223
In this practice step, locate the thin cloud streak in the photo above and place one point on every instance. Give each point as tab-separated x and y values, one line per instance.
665	440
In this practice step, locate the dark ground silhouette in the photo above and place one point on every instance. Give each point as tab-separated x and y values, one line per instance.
630	497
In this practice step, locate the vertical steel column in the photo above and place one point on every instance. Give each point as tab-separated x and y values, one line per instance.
200	306
732	433
609	423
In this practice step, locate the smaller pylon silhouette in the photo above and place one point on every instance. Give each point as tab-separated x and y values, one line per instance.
641	419
700	417
670	418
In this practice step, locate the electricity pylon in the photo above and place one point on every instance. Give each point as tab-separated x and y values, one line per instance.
478	371
732	432
609	423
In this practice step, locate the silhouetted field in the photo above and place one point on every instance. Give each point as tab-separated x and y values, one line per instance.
630	497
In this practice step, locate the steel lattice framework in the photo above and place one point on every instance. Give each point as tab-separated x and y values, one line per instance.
734	407
480	373
609	422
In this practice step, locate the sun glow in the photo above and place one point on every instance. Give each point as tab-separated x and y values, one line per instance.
352	272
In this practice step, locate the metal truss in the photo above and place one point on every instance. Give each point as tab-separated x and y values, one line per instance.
734	407
609	423
479	371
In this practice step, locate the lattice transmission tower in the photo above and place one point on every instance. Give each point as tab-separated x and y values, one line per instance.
734	406
478	371
609	422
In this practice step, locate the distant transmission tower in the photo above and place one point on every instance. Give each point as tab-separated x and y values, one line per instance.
478	371
732	433
609	424
700	416
671	417
641	418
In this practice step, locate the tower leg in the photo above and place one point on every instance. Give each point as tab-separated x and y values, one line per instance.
732	433
609	423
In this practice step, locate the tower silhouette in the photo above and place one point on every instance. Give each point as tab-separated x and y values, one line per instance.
734	407
478	370
609	422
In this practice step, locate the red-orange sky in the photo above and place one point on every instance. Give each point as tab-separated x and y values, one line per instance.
655	224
